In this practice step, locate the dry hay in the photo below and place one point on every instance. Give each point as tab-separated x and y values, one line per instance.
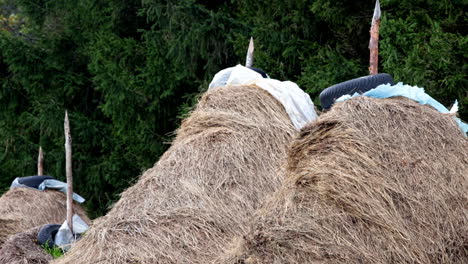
23	248
25	208
371	181
222	163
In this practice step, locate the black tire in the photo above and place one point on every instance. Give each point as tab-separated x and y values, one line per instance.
46	235
264	74
360	85
34	181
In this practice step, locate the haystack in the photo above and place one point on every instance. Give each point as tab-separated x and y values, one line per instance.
22	248
371	181
221	165
25	208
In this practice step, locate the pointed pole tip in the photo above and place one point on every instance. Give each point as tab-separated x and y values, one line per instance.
250	51
377	11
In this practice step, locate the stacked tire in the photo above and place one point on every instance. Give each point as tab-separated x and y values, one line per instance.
358	85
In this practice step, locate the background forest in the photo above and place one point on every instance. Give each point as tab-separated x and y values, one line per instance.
127	71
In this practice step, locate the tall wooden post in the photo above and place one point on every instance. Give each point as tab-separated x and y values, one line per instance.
374	40
68	166
40	162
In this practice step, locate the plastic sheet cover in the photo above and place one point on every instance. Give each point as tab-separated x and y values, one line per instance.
50	184
412	92
296	102
64	237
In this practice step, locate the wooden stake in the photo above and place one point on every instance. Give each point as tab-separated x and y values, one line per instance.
68	166
374	41
250	51
40	162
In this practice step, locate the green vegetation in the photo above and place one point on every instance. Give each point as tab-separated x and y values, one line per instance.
55	251
127	70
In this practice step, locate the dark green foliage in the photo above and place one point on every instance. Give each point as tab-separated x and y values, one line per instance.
127	70
425	44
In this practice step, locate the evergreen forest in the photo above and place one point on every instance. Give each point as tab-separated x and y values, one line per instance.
129	71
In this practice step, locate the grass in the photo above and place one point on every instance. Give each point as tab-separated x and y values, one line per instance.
55	251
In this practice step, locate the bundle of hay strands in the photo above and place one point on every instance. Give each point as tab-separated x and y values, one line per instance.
224	160
371	181
24	208
23	248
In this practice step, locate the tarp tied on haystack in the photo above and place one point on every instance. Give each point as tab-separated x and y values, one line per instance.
23	208
296	102
371	181
223	162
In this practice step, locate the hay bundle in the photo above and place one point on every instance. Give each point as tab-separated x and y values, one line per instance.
25	208
22	248
222	163
372	181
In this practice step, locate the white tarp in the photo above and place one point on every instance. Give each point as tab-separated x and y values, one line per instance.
59	186
64	237
296	102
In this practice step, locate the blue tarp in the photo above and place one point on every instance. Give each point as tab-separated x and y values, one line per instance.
412	92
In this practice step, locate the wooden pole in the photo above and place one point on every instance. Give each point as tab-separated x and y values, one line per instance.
40	162
68	168
250	51
374	41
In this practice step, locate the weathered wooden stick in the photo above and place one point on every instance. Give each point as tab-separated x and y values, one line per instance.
40	162
374	41
68	168
250	56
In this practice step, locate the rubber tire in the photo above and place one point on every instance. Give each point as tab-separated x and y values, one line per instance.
34	181
264	74
360	85
46	235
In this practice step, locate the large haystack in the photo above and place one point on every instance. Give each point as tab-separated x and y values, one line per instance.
221	165
22	248
372	181
25	208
